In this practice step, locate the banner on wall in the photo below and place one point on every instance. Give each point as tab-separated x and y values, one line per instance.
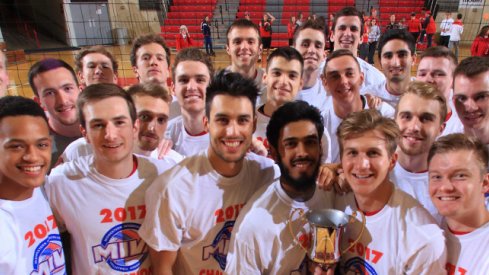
471	3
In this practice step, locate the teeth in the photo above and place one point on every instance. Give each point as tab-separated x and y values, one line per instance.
362	176
232	143
447	198
31	168
112	146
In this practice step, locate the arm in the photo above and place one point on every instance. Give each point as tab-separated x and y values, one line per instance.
429	259
473	48
271	17
179	46
162	261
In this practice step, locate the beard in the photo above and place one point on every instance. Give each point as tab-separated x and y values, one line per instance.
304	182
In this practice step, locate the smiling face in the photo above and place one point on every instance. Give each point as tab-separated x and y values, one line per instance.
231	124
420	124
396	61
457	184
437	71
471	98
153	116
310	43
25	147
366	163
189	85
346	33
97	68
151	64
342	79
244	47
283	80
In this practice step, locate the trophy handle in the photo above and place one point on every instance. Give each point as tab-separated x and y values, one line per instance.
301	215
352	219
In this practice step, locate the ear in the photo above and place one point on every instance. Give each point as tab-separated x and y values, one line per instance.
135	70
264	78
228	50
135	128
485	183
362	78
414	58
172	88
115	78
393	161
80	77
274	154
206	123
442	127
83	131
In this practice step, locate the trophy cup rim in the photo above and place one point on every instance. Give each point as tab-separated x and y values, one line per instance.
328	218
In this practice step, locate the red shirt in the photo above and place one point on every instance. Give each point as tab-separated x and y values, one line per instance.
480	47
183	43
414	25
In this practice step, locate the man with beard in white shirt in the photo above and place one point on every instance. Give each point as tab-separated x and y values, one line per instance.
419	115
342	79
458	180
346	32
397	54
261	241
436	66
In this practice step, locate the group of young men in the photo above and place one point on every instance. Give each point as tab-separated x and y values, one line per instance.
128	195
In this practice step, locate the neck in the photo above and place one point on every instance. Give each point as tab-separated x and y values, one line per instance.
469	223
139	151
342	109
297	195
65	130
397	88
270	107
413	164
120	170
223	167
14	192
310	78
375	203
193	122
247	72
482	134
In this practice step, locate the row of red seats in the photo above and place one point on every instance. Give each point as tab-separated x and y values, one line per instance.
194	2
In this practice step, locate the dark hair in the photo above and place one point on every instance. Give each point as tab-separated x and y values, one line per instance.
145	40
472	66
20	106
45	65
232	84
292	112
192	54
97	92
95	49
244	24
317	25
288	53
151	89
349	11
483	31
400	34
340	53
439	51
457	142
459	16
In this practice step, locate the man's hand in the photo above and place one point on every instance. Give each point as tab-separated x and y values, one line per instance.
373	102
164	147
258	147
331	176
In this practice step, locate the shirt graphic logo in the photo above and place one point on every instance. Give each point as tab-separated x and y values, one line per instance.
49	257
357	265
121	248
220	246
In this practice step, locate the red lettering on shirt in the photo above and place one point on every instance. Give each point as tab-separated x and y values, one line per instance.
454	270
40	231
122	214
210	272
228	213
366	252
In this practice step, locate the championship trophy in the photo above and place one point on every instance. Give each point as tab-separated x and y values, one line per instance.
326	228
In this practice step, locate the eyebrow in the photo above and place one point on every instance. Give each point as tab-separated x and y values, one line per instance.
23	141
312	136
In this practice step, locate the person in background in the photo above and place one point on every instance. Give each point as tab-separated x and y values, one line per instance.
291	27
480	46
414	26
373	37
445	27
392	23
183	39
402	23
206	30
455	33
429	28
363	47
266	32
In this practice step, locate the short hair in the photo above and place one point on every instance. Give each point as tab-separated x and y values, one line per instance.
288	53
95	49
192	54
458	141
243	23
349	11
292	112
358	123
400	34
483	31
99	91
20	106
316	24
150	89
340	53
472	66
426	91
45	65
145	40
459	16
439	51
232	84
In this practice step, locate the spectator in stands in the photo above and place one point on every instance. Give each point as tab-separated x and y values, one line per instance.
414	26
300	19
402	23
363	47
455	34
247	15
392	23
373	37
445	26
206	31
4	80
291	27
266	32
480	46
429	28
55	87
330	29
96	65
183	39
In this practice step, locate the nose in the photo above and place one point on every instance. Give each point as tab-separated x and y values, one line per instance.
429	78
110	131
445	185
414	124
31	154
470	105
364	162
232	129
192	84
396	61
152	124
153	60
98	69
61	97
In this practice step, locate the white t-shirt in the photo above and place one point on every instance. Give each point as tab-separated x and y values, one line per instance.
380	91
183	143
262	242
29	236
445	26
262	97
175	109
261	134
468	253
402	238
192	210
315	96
103	215
453	124
372	76
456	32
332	121
416	185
